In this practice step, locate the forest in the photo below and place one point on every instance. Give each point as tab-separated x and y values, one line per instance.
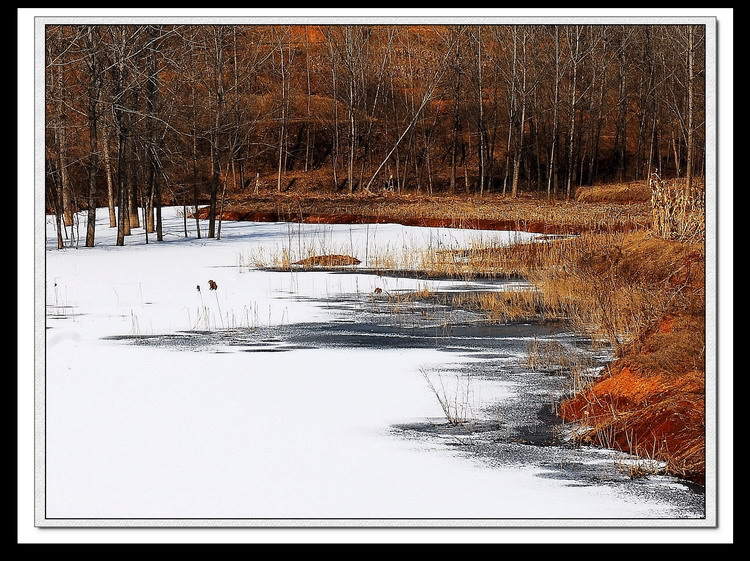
139	116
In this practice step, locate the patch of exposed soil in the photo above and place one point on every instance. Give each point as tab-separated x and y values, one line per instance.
651	401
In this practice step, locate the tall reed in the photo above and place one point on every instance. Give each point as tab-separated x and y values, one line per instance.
678	213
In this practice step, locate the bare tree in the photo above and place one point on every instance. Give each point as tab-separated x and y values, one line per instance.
551	166
576	56
92	56
456	80
58	184
430	85
284	68
174	111
692	41
523	90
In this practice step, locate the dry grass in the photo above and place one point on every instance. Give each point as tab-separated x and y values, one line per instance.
502	307
491	211
678	213
456	400
553	356
610	286
644	295
631	192
328	260
510	306
557	358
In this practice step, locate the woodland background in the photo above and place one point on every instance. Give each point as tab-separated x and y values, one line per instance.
145	115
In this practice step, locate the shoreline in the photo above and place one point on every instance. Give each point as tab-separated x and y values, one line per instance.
646	400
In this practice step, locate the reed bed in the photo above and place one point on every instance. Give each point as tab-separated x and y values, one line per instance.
491	211
628	192
678	213
609	286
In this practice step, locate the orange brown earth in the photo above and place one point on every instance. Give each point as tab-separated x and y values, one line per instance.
650	401
618	279
646	405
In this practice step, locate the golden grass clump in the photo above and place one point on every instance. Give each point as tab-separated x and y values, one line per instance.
630	192
489	212
510	305
328	260
610	286
679	213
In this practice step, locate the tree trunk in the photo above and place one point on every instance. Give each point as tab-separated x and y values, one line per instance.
196	186
481	127
215	182
133	190
111	204
54	195
152	158
61	136
573	103
621	136
594	164
282	122
122	213
352	137
555	118
522	121
216	139
93	164
691	117
511	112
335	154
309	110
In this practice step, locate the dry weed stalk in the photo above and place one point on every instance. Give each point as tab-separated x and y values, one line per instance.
456	402
678	213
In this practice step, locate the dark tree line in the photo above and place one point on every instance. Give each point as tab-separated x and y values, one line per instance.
143	115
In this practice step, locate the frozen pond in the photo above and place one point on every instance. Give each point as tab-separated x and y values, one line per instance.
305	395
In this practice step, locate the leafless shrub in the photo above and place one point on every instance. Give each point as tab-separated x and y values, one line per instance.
456	402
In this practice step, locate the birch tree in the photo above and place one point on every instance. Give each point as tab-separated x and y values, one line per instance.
92	55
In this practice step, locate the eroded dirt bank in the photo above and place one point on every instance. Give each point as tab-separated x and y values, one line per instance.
651	399
651	404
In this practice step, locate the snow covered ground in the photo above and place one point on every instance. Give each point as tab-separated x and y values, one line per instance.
169	432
